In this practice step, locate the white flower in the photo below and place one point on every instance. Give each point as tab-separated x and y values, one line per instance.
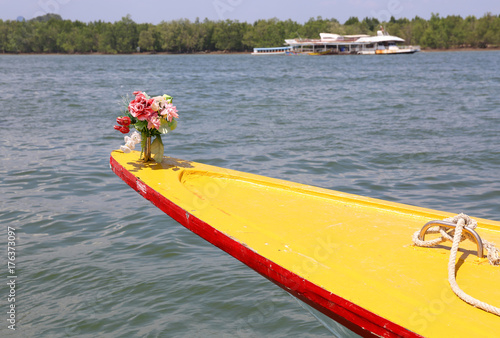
130	144
136	137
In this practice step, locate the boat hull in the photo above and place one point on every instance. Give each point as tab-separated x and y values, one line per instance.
389	51
311	242
271	53
395	51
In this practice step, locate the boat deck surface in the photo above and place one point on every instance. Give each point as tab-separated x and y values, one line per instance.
349	256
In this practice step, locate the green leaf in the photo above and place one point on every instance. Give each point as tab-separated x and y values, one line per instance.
141	125
157	149
166	127
172	125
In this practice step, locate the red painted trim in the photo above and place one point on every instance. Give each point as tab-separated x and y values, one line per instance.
352	316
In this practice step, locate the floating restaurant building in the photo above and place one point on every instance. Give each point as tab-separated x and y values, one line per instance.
335	44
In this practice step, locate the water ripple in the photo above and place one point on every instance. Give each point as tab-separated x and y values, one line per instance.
95	258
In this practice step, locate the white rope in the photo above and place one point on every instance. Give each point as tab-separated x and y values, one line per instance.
461	221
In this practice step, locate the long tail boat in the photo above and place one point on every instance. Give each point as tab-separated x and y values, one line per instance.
350	257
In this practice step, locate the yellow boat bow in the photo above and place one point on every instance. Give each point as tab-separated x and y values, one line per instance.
350	257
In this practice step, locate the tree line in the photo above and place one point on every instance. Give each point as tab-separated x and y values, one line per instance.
51	34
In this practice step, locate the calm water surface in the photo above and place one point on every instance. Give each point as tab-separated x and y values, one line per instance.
94	258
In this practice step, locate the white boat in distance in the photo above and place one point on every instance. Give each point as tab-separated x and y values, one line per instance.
335	44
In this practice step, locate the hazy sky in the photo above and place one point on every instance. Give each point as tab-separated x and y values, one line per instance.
155	11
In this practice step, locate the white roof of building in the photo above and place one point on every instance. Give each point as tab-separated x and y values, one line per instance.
345	39
383	38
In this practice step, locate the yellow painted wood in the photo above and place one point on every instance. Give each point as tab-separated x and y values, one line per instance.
358	248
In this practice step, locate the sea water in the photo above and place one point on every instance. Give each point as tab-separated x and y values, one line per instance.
93	258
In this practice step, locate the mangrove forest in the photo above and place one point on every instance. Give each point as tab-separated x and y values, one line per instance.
51	34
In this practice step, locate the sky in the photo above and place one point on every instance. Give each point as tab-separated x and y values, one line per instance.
155	11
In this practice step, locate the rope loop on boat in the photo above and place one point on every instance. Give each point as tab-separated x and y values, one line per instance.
461	221
445	236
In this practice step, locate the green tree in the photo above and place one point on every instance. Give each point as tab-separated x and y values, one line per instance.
333	26
453	31
492	35
125	33
20	37
264	33
469	27
289	28
47	17
106	41
353	26
313	27
487	30
228	35
192	35
371	23
169	35
147	41
351	21
4	31
418	26
434	35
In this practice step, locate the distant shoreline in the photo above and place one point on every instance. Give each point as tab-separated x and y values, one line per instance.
425	50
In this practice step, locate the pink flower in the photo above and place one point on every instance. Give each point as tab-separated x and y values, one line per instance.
149	109
171	111
140	107
154	122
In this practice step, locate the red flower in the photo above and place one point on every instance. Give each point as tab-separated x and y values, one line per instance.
124	121
122	129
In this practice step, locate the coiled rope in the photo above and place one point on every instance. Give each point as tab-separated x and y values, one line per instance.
461	221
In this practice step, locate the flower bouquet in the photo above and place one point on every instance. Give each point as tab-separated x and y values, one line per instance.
150	116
